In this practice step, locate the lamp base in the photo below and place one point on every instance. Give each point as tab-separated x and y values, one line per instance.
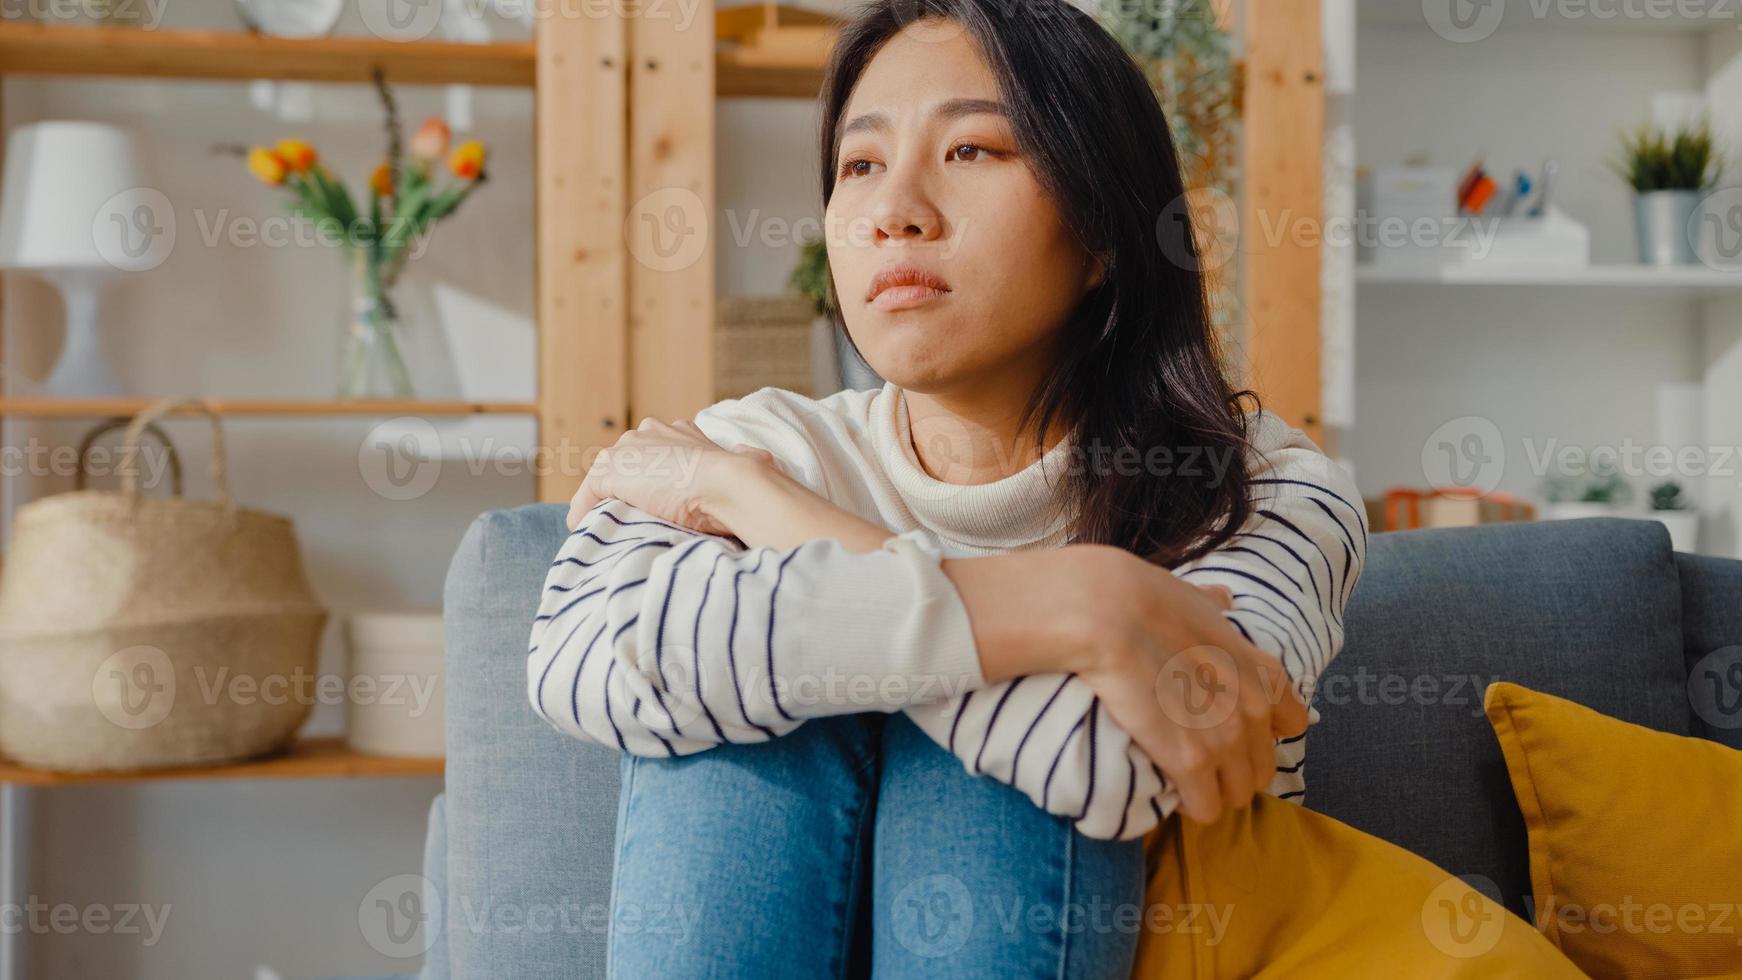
82	370
82	378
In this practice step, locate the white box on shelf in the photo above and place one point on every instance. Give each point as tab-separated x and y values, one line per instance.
1410	215
395	679
1553	241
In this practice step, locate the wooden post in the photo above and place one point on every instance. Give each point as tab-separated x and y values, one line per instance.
1281	212
670	218
582	282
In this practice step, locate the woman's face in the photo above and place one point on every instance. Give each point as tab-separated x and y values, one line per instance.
928	175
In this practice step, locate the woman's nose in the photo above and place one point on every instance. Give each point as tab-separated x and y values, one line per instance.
905	210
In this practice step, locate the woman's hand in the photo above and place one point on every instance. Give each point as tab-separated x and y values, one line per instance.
673	471
1202	702
676	473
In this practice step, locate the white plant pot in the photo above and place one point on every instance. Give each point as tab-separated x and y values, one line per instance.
1578	508
1684	528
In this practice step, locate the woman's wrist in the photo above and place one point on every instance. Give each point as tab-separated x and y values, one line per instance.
1032	612
763	506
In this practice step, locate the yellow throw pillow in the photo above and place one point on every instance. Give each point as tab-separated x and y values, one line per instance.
1635	837
1275	891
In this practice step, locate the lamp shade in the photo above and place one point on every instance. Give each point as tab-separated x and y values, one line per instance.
71	199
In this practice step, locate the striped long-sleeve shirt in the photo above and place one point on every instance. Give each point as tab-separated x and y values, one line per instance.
664	641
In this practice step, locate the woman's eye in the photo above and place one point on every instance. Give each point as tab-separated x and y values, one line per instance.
960	147
851	168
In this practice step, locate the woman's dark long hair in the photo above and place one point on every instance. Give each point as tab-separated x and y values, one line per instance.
1139	376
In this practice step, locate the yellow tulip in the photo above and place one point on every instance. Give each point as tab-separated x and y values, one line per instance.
381	181
467	161
267	165
297	155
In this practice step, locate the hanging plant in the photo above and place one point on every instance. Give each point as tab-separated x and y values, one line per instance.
1188	56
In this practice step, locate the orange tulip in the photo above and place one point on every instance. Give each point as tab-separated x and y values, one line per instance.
267	165
431	139
381	181
467	162
297	155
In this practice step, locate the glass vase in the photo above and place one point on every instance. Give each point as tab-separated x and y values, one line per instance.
372	351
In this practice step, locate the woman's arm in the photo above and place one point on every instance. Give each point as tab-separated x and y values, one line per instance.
661	640
1111	730
1092	745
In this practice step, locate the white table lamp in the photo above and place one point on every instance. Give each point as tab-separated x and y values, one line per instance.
73	213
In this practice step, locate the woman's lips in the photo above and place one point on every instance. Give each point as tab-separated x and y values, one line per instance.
906	297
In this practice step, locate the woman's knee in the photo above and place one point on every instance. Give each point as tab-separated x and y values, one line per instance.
740	841
972	879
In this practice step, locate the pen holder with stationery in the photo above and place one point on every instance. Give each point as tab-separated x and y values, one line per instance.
1429	219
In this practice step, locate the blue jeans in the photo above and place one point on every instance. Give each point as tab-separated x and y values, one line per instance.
855	846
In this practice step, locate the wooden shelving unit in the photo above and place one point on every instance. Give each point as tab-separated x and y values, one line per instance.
315	758
587	156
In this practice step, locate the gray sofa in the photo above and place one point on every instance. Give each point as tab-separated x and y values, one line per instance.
1600	611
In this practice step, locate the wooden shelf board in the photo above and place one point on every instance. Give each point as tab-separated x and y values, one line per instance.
1688	280
315	758
734	78
194	54
1642	16
129	405
54	49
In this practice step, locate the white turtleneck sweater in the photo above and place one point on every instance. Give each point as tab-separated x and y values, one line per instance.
664	641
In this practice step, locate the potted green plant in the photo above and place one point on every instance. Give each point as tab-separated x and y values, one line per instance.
1670	508
811	277
1668	173
1597	491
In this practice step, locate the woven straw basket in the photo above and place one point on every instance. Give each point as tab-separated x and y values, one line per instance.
139	633
762	340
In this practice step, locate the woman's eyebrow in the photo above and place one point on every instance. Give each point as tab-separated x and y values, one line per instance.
946	110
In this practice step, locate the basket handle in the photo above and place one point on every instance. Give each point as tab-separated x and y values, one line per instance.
129	468
117	422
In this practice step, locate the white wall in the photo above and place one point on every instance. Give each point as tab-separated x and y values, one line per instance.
273	873
1542	364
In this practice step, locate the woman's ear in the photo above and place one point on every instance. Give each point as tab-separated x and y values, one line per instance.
1097	273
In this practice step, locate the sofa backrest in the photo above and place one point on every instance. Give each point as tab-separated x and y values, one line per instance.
1592	610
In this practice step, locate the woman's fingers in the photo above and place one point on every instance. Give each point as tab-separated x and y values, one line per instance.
1260	748
585	499
1221	595
1200	791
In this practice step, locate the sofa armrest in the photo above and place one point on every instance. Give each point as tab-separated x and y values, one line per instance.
531	814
